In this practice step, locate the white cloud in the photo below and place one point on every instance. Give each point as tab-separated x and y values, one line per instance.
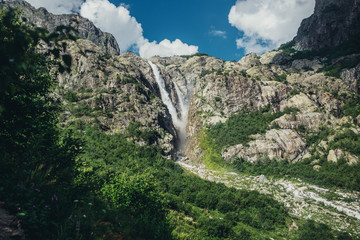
254	45
275	21
58	6
166	48
218	33
115	20
118	21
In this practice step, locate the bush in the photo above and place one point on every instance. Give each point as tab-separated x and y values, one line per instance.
70	96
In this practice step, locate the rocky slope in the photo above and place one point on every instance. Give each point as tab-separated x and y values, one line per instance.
85	28
221	89
335	208
118	93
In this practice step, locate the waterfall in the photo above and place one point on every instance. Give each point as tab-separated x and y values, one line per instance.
178	116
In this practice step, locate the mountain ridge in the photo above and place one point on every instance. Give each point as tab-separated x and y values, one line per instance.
85	28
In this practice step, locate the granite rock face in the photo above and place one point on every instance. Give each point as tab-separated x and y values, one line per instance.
85	28
333	22
276	144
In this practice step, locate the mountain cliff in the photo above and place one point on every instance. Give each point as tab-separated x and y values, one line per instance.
333	22
85	28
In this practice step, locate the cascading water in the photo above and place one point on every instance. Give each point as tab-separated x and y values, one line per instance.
184	109
179	116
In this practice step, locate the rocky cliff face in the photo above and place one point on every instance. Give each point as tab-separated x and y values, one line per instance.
332	23
85	28
220	89
119	93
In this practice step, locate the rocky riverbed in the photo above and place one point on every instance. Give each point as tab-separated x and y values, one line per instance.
338	209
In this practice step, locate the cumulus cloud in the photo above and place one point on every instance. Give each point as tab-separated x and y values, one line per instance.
166	48
115	20
118	21
58	6
218	33
273	21
128	32
254	45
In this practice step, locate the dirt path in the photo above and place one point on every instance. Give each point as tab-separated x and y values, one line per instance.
338	209
9	226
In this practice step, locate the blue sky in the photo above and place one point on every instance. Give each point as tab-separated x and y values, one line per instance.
227	29
195	22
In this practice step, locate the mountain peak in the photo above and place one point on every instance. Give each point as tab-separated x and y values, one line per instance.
333	22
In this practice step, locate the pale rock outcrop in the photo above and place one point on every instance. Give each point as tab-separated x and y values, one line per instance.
300	101
310	120
250	60
350	77
335	155
274	57
275	144
316	167
330	103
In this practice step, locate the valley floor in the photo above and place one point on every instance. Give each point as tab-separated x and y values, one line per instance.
338	209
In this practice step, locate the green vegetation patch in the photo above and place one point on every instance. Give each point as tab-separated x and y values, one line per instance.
239	127
351	108
329	175
348	141
331	68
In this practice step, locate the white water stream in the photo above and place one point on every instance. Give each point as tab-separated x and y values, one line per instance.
179	116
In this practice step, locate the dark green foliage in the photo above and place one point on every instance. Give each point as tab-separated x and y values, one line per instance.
206	72
331	68
39	175
70	96
81	109
238	128
245	74
106	155
281	78
294	92
136	196
218	99
313	138
128	79
149	136
37	159
217	228
194	55
315	231
288	47
329	175
334	70
348	141
352	108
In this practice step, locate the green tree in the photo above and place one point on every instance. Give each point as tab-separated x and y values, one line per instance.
137	197
37	159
